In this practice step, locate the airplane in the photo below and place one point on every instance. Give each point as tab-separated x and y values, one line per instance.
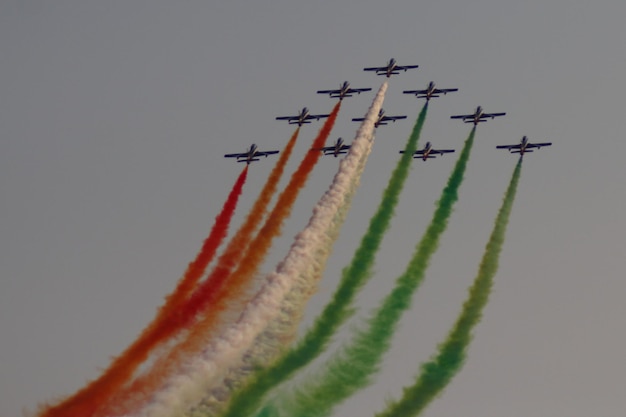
523	147
430	92
392	68
344	91
250	155
382	119
303	117
477	117
338	148
429	153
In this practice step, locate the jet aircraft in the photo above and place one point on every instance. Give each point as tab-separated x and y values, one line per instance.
338	148
430	91
392	68
303	117
523	147
343	91
382	119
477	117
250	155
429	153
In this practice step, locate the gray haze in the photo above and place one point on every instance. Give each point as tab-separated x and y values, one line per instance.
115	115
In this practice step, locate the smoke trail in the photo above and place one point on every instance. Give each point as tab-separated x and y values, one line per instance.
168	326
282	330
187	389
351	369
339	309
87	400
436	374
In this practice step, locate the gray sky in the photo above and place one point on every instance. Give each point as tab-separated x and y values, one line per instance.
115	115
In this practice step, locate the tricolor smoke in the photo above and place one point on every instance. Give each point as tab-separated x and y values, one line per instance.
352	368
205	369
94	395
339	309
439	371
281	331
135	394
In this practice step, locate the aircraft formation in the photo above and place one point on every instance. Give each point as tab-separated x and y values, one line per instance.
392	68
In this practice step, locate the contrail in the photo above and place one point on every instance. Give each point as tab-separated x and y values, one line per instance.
281	331
351	368
187	389
439	371
339	309
86	401
153	336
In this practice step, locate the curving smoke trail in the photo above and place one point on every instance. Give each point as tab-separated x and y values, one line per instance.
339	309
439	371
132	396
188	388
281	331
351	369
86	401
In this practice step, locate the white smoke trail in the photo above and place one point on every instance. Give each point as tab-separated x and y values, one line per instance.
187	389
281	331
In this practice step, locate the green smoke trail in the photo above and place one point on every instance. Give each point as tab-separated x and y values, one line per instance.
352	368
440	370
246	401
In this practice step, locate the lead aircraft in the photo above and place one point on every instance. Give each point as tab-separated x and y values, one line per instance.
250	155
523	147
338	148
392	68
429	153
430	91
344	91
303	117
478	116
382	119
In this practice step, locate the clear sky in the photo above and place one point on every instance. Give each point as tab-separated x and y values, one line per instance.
115	115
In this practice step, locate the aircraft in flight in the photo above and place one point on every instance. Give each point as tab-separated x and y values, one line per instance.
338	148
382	119
392	68
524	146
477	117
250	155
429	153
430	91
303	117
343	91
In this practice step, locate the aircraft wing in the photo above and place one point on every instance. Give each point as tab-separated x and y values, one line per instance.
538	145
287	118
358	90
392	118
463	116
405	67
492	115
445	90
358	119
316	116
265	153
375	69
509	147
329	92
441	151
236	155
415	91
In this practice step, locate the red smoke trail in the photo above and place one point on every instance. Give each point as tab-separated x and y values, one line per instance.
213	296
98	394
87	400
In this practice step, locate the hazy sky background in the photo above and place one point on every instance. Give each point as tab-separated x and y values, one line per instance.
115	115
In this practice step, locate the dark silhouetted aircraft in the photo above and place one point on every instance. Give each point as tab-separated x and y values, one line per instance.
428	152
251	155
